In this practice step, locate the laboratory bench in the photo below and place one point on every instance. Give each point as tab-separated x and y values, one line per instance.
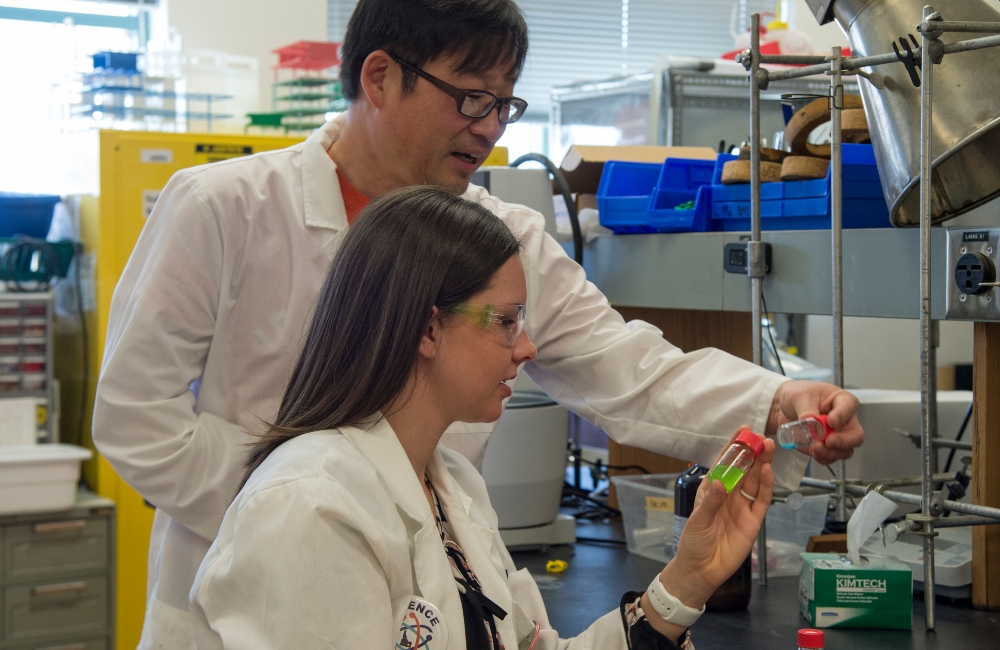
599	573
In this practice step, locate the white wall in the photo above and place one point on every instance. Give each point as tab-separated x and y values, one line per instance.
248	28
884	352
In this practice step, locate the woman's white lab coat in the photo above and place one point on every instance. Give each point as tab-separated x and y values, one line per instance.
331	540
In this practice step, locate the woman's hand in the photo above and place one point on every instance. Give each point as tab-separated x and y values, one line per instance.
717	538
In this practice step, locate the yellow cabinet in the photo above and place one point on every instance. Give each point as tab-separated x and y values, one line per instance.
135	166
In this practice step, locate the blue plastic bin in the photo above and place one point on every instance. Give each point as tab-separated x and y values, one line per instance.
28	215
681	180
123	62
805	205
623	195
800	214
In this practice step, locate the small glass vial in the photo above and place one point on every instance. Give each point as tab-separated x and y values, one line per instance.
810	639
737	460
803	433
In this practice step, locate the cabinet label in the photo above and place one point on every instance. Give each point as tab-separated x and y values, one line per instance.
980	235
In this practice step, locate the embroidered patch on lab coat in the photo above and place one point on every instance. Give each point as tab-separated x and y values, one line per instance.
423	627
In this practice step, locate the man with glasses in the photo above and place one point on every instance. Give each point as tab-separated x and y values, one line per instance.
210	312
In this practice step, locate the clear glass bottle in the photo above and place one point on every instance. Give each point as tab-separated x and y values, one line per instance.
810	639
803	433
734	594
737	460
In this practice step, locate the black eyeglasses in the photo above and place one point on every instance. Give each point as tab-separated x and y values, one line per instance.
473	103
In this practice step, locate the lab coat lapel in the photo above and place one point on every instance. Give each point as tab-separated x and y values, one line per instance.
431	568
477	543
322	201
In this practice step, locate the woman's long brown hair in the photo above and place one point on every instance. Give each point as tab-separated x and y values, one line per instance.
409	251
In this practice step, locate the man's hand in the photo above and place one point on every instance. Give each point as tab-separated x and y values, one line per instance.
801	399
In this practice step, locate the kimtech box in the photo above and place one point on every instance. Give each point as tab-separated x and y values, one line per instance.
835	593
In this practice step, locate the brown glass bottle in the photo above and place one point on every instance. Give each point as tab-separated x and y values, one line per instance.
734	594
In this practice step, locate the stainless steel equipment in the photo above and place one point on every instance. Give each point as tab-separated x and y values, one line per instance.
965	143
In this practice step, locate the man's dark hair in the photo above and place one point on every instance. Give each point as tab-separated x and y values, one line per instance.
484	34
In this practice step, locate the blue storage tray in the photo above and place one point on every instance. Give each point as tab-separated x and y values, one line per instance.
623	195
800	214
682	180
859	174
28	215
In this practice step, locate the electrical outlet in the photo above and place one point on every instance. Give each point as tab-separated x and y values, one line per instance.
973	258
735	257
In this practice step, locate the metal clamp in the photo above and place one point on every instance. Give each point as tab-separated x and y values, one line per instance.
910	60
756	259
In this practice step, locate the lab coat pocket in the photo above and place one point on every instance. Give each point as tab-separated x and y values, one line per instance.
488	540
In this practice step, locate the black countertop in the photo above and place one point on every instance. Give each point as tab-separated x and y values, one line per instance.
599	574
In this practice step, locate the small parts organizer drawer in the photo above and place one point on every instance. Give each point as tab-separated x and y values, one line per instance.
52	609
50	548
24	343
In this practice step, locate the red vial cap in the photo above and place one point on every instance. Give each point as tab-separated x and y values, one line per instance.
752	440
826	425
809	638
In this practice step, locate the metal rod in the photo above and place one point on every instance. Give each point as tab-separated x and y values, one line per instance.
926	326
972	44
907	480
837	240
795	59
959	26
756	287
906	498
953	444
856	62
964	520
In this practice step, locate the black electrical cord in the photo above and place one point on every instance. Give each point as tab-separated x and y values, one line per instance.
961	432
567	195
769	335
598	540
29	258
85	380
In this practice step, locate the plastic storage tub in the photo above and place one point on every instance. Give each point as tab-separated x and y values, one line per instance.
805	205
788	532
623	195
29	215
36	478
681	180
647	506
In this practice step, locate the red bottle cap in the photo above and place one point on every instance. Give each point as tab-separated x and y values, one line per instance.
826	426
809	638
752	440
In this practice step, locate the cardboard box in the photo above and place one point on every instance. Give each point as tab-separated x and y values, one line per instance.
584	164
835	593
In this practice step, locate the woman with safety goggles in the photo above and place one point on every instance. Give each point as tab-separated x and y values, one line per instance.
355	529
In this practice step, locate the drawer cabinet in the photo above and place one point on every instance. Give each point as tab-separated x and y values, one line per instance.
57	578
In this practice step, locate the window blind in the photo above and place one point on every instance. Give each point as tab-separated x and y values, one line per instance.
586	40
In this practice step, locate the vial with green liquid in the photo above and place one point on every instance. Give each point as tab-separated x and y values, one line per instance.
737	460
802	433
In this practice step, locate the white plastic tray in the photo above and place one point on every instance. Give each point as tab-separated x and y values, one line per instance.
37	478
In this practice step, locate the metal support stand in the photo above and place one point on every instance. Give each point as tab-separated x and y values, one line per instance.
756	268
931	51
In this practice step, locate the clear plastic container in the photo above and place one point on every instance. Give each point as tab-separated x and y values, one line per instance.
737	460
810	639
803	433
10	365
34	349
34	382
10	327
10	383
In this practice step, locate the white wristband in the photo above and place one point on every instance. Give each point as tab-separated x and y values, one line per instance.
669	607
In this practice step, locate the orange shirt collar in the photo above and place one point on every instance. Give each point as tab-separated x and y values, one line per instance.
354	201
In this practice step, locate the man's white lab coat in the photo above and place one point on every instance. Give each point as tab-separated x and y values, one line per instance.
213	307
332	538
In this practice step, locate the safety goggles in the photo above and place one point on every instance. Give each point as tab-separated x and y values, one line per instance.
506	320
473	103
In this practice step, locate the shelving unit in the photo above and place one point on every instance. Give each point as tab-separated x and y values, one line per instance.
306	87
26	356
